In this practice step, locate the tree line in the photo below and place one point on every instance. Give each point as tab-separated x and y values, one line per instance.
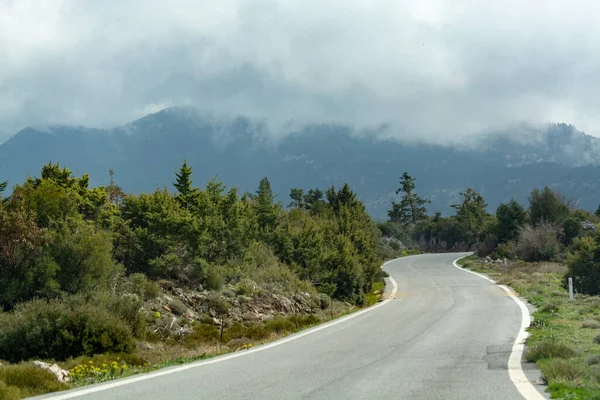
549	228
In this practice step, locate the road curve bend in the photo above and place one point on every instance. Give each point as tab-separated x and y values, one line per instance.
446	334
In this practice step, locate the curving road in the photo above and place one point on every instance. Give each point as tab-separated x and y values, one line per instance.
446	334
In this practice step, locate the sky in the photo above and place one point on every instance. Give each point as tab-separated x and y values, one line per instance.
435	70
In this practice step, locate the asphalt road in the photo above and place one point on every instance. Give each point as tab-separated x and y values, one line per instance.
447	334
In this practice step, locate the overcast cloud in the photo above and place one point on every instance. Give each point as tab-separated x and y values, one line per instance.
435	69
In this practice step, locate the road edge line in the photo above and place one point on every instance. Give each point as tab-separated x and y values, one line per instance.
73	393
515	367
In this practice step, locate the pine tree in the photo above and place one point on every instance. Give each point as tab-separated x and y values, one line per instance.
511	217
115	193
183	184
297	196
3	186
411	208
266	210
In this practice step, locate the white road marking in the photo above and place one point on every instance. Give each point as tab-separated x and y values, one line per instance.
515	368
168	371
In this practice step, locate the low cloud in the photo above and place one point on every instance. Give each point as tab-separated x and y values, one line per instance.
431	69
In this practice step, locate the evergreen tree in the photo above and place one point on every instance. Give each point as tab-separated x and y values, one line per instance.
3	186
597	213
297	196
546	206
115	193
411	208
183	184
471	217
266	210
511	217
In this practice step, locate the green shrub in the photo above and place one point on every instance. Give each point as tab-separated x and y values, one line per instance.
213	280
246	288
506	250
584	265
9	392
551	308
549	349
144	288
218	304
597	339
561	370
30	379
59	329
591	325
177	307
280	325
201	333
324	300
594	359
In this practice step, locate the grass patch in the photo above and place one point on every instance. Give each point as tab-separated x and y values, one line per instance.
563	334
591	324
27	380
562	371
549	349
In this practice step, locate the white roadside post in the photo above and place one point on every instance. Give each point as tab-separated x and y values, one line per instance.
570	288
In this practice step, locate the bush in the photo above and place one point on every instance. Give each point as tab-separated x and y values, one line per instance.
506	250
593	359
177	307
201	333
597	339
538	243
280	325
591	325
59	329
584	265
549	349
561	370
143	287
29	379
324	301
551	308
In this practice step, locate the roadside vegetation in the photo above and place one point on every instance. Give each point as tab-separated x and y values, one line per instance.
107	284
534	249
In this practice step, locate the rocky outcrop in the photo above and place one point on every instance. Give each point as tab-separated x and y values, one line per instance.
588	226
253	306
62	375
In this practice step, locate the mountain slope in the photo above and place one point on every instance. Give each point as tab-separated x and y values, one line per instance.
146	153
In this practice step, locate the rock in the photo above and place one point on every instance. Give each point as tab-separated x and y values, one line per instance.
177	291
166	308
62	375
588	226
145	346
200	288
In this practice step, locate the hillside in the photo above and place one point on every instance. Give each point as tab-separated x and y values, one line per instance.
145	153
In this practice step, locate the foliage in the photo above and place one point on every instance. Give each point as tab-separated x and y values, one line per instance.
546	206
549	349
538	243
185	192
27	380
511	218
411	207
58	329
584	265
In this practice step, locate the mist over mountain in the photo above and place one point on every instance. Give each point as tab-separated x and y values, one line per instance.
146	153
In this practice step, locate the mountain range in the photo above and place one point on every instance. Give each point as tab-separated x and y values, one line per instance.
146	153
